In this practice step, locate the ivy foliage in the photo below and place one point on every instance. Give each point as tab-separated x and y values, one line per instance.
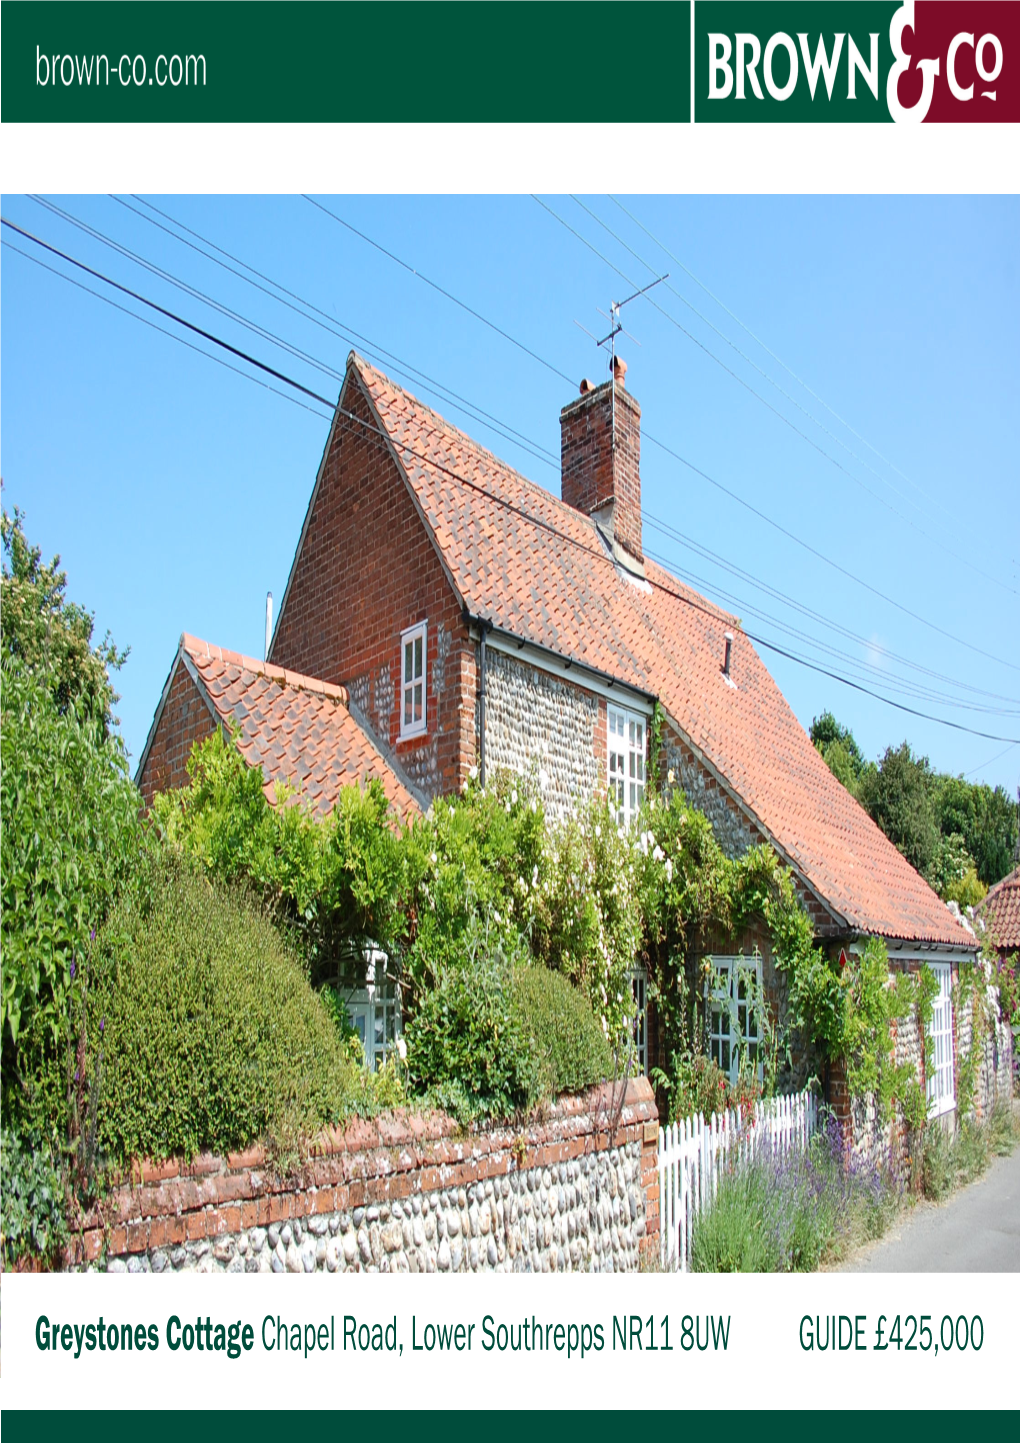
336	883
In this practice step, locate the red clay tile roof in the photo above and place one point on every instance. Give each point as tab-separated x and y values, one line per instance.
1001	911
522	559
297	729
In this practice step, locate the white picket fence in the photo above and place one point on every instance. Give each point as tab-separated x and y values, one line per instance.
693	1154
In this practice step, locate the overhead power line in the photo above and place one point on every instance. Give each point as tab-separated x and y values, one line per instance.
502	427
933	500
385	441
733	495
834	461
442	291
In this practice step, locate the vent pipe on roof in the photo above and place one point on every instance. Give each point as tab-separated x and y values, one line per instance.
728	638
269	623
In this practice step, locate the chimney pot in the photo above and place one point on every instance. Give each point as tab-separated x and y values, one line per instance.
619	370
586	386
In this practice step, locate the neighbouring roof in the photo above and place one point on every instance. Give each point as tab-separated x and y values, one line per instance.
1001	912
525	561
299	730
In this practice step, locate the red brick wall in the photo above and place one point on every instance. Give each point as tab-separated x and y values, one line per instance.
366	572
185	720
390	1158
591	474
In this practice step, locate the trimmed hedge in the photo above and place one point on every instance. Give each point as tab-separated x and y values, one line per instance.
204	1032
567	1042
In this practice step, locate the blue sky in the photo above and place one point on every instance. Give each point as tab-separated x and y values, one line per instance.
867	404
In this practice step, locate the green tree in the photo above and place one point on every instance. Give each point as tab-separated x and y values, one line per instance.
839	750
48	633
900	796
985	818
69	840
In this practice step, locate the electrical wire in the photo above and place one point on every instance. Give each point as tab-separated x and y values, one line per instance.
733	495
448	294
311	312
509	432
933	500
954	553
386	441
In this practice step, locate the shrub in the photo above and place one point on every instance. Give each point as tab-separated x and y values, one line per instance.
69	840
32	1197
468	1047
568	1044
204	1030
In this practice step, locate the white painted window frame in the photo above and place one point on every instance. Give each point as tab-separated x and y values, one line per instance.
638	978
408	637
375	1012
940	1083
623	728
723	1004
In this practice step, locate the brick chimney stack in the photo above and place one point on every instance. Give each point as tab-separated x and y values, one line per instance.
600	451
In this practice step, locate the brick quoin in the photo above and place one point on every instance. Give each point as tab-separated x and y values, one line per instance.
366	571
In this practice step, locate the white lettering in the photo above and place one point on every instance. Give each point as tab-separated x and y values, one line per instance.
994	42
41	59
960	91
821	61
752	45
85	69
781	92
856	62
719	52
66	60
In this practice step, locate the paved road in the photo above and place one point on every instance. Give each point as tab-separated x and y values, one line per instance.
976	1231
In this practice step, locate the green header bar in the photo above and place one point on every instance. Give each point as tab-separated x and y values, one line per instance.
437	60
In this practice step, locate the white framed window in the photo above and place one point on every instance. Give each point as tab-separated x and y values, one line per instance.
638	978
626	763
941	1097
732	999
413	659
375	1013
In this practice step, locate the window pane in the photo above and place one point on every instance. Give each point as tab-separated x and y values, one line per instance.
417	702
407	707
408	662
417	656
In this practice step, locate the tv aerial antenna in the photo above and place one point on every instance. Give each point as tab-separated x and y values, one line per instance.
616	328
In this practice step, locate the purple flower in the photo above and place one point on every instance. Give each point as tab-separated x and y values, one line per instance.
92	935
102	1025
73	969
77	1075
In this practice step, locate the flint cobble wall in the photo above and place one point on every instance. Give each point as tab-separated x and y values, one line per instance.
537	725
574	1191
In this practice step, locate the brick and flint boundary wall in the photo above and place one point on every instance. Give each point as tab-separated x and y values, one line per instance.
574	1191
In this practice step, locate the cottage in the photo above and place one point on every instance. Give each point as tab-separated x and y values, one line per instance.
458	615
1000	912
